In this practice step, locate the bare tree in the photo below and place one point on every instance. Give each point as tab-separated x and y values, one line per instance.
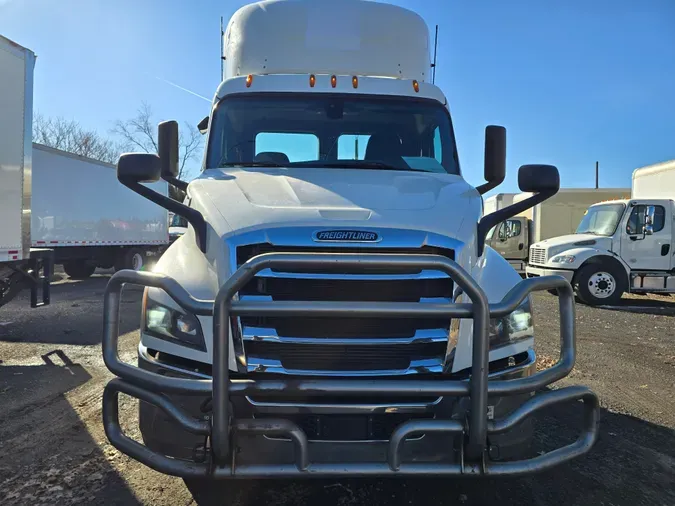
140	133
69	135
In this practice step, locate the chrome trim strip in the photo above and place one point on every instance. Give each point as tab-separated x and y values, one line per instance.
267	365
270	335
425	274
327	408
269	298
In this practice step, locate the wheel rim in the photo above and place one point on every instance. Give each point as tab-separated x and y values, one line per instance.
602	285
137	261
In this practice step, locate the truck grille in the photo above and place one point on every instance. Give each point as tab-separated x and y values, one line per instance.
537	256
350	345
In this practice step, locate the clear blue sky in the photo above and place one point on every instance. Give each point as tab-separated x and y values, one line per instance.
573	82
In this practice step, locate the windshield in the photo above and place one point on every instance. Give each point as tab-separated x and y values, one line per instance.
178	221
336	131
601	220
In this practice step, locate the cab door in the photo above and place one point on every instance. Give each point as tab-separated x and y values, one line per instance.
511	238
644	247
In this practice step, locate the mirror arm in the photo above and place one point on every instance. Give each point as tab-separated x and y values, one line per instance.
178	183
193	216
493	219
486	187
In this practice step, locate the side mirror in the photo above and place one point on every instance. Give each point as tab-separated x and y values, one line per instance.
138	168
203	125
538	178
167	148
542	180
648	228
495	158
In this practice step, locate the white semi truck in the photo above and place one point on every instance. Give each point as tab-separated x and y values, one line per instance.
559	215
61	208
332	312
620	246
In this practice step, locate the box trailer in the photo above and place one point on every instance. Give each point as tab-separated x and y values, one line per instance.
82	212
559	215
20	264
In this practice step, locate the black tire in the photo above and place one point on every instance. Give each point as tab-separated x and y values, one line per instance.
132	258
78	269
600	284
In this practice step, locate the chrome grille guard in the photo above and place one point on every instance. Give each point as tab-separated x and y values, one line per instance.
221	429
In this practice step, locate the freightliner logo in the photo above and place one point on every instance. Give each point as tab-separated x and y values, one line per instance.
346	236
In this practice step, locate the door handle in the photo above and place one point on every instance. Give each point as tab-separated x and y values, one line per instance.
520	246
665	248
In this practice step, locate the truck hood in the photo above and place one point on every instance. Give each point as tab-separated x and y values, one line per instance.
557	245
253	198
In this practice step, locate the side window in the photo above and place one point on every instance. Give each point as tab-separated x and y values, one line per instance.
636	220
438	149
509	229
352	146
282	148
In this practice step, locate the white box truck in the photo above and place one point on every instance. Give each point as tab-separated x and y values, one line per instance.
620	246
332	313
20	264
82	212
556	216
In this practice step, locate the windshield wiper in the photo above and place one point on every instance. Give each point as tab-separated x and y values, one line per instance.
250	164
352	164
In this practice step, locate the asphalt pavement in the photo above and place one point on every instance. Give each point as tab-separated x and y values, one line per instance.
53	450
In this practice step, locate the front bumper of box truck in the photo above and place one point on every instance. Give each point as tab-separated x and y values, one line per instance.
212	427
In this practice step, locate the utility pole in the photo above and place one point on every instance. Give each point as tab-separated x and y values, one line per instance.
597	174
356	147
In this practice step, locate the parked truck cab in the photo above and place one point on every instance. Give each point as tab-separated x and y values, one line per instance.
620	246
332	309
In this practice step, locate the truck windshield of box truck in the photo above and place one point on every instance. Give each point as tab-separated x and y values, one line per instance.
601	220
331	130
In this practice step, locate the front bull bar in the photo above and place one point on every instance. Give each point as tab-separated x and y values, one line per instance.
221	428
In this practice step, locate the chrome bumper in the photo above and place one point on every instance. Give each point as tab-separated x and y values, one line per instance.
222	432
532	272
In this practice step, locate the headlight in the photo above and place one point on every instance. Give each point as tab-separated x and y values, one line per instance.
512	328
170	325
563	259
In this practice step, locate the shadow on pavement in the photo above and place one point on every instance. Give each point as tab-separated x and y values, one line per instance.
632	464
644	305
48	454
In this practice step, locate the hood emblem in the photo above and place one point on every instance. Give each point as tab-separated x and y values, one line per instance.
346	236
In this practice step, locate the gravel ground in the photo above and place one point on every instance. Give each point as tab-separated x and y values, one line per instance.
53	450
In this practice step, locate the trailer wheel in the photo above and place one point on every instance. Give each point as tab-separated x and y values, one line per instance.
600	284
132	258
78	269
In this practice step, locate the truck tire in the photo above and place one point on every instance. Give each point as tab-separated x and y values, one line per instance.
600	284
78	269
132	258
